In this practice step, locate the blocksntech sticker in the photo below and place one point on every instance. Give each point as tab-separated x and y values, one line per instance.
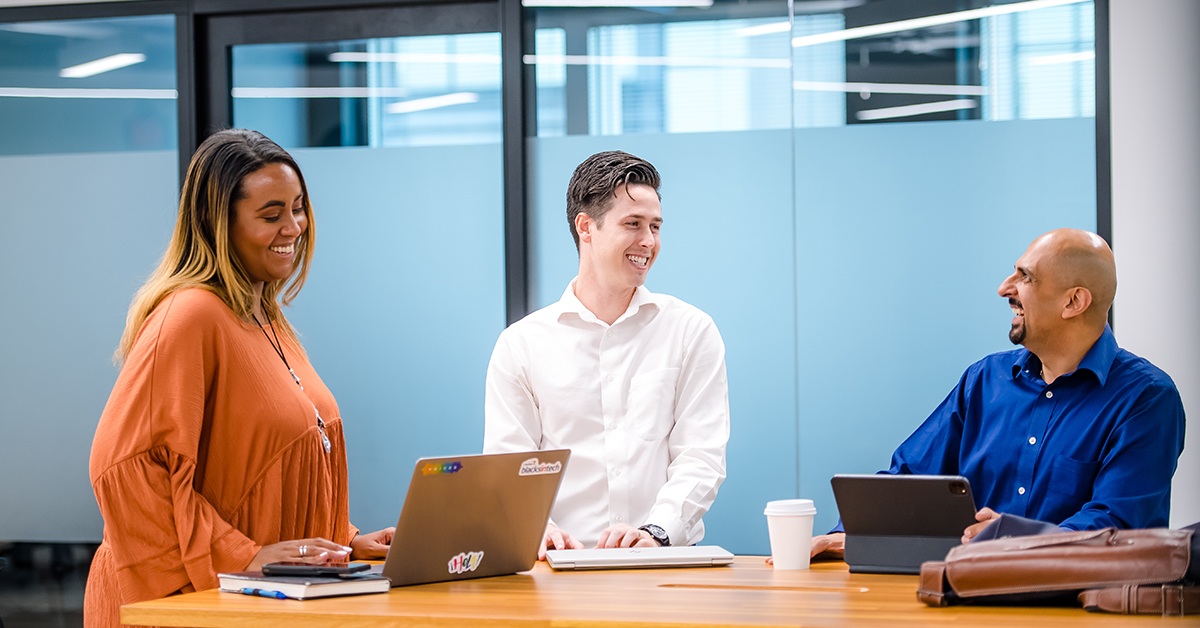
533	467
466	561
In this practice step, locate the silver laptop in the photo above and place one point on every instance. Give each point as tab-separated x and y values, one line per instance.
474	516
639	557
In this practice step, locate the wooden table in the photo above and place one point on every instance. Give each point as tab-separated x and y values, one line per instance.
747	594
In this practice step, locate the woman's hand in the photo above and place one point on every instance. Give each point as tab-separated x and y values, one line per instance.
313	551
373	545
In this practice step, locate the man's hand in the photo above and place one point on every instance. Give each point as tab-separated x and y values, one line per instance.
556	538
984	517
621	535
832	545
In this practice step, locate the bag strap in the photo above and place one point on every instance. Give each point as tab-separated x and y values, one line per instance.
933	589
1168	600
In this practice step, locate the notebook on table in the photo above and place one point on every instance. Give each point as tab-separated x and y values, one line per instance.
894	523
302	588
474	516
639	557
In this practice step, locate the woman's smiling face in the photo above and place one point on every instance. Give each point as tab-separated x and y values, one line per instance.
268	222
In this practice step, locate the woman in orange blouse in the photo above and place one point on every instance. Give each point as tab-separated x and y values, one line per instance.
220	449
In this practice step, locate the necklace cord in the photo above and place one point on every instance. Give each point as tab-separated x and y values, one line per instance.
278	347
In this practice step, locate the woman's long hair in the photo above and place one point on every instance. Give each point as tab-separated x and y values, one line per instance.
201	255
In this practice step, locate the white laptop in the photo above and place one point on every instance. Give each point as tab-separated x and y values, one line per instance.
639	557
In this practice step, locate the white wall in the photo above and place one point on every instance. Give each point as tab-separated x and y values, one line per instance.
1156	204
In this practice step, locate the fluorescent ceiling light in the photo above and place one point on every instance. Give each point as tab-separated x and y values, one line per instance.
435	102
1064	58
318	92
687	62
60	92
100	66
891	88
764	29
926	22
916	110
636	4
412	57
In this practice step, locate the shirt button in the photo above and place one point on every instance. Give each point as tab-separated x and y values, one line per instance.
1021	491
1032	440
617	472
608	333
618	517
1049	393
610	378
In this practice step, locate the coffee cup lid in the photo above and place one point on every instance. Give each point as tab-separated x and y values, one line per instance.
790	508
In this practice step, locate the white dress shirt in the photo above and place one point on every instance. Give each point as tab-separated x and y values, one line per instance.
643	405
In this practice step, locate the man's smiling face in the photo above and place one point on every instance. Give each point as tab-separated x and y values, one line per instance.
625	244
1032	292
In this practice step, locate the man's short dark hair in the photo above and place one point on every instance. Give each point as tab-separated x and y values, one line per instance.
593	187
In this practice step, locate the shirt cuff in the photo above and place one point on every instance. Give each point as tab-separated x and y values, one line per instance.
673	526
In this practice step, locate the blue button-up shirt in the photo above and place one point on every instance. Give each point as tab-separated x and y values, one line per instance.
1096	448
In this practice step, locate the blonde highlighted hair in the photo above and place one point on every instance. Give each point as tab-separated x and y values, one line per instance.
201	255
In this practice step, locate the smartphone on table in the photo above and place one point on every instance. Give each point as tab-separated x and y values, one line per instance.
326	570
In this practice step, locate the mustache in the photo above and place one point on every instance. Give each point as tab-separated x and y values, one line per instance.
1015	303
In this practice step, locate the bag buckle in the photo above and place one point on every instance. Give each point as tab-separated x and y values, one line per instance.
1178	590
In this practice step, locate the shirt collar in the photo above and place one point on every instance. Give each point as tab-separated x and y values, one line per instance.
570	304
1098	359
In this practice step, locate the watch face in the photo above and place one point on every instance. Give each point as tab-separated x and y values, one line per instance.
658	534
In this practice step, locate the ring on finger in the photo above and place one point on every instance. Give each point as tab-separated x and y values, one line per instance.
303	551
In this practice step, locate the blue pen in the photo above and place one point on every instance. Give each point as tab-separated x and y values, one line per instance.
264	593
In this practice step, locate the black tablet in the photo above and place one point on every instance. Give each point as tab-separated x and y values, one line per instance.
894	523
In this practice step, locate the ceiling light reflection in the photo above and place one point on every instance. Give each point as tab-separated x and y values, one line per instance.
690	62
926	22
891	88
63	92
318	92
916	110
434	102
412	57
100	66
1071	57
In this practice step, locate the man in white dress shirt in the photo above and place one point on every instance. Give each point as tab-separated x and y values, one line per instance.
632	382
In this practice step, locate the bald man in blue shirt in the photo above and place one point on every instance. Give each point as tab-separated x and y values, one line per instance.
1071	429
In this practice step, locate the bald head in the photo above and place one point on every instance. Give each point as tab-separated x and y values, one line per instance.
1075	258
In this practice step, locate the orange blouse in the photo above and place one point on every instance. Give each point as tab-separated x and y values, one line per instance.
208	450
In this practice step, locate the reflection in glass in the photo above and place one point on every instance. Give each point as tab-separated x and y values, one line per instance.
401	91
612	71
81	86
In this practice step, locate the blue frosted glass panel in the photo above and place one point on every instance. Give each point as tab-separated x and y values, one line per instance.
81	234
403	305
400	91
904	233
727	249
85	86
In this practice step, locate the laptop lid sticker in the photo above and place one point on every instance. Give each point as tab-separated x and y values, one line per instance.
465	561
533	467
434	468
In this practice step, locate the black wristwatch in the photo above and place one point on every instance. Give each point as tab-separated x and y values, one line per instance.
658	534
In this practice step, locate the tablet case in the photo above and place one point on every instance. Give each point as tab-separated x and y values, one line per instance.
894	523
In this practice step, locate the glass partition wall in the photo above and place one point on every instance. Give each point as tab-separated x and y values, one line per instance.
88	181
845	184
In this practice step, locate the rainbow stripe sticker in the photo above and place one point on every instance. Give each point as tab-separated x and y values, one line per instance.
438	469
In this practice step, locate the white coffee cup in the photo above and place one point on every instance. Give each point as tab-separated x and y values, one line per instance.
790	523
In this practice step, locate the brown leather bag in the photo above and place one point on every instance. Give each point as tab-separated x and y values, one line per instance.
1110	570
